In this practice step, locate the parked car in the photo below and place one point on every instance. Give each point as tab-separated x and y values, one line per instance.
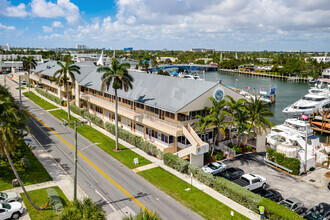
320	211
231	173
329	185
293	204
269	194
214	168
251	181
8	197
23	82
10	210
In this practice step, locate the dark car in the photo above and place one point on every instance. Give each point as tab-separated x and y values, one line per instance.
232	173
329	185
269	194
319	212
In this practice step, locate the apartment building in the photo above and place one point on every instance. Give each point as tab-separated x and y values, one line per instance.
160	109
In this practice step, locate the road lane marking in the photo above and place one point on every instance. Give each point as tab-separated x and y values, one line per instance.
93	165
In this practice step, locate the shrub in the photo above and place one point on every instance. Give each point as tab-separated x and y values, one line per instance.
288	162
78	110
237	149
200	175
237	193
176	162
277	211
207	156
54	200
218	156
135	141
248	148
50	96
230	145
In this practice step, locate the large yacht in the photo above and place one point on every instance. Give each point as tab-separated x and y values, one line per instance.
317	98
290	138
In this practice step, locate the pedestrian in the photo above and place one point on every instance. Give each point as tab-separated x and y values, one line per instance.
262	212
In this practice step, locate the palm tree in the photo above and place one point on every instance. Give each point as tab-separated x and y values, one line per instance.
216	118
12	121
64	74
143	215
258	111
234	109
29	63
82	210
117	77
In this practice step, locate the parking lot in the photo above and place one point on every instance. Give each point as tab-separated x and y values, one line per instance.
285	184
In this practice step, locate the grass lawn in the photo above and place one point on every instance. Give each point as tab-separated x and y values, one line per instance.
39	101
33	174
126	156
196	200
21	88
39	197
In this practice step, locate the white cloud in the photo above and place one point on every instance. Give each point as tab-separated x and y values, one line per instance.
2	26
47	29
9	10
229	24
57	24
62	8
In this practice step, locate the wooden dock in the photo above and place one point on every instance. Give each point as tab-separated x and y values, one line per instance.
262	74
321	122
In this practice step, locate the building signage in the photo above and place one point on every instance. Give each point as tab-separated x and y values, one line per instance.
218	93
202	149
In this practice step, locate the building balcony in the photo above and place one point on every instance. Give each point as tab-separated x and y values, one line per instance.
158	124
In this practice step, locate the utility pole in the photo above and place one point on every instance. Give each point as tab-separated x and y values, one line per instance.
20	92
76	123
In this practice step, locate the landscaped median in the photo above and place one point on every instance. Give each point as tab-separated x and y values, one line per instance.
40	198
39	101
196	200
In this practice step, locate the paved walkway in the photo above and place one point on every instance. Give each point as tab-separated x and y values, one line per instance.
156	162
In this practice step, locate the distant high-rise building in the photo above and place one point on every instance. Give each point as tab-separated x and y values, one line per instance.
81	46
8	47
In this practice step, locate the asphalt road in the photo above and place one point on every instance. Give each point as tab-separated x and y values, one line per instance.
286	185
91	181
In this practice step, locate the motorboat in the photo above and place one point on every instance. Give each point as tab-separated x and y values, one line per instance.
290	139
318	98
189	76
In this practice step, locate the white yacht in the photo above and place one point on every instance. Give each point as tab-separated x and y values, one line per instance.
189	76
262	96
317	98
290	137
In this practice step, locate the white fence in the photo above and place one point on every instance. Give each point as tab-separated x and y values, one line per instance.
223	146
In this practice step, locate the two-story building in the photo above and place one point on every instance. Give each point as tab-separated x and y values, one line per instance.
160	109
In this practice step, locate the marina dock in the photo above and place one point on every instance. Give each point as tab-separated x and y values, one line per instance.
262	74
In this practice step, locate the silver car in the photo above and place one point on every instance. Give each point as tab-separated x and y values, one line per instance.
293	204
8	197
214	168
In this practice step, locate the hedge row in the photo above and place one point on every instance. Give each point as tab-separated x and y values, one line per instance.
176	162
276	211
50	96
288	162
230	189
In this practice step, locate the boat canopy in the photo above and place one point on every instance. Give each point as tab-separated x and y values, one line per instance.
174	73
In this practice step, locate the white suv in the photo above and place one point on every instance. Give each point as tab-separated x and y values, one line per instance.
8	197
10	210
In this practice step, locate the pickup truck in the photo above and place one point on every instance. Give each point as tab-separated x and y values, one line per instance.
251	181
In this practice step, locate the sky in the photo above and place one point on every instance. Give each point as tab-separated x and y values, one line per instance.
237	25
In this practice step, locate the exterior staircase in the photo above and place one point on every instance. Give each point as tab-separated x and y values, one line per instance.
197	145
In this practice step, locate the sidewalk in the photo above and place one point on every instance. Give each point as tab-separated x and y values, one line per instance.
157	162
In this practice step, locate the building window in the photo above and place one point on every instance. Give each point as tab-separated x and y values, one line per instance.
98	109
171	140
139	127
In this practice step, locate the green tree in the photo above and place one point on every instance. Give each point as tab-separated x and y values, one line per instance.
143	215
217	118
257	114
235	111
82	210
64	74
12	122
117	77
29	63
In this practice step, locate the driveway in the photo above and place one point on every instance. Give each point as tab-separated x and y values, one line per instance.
287	185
